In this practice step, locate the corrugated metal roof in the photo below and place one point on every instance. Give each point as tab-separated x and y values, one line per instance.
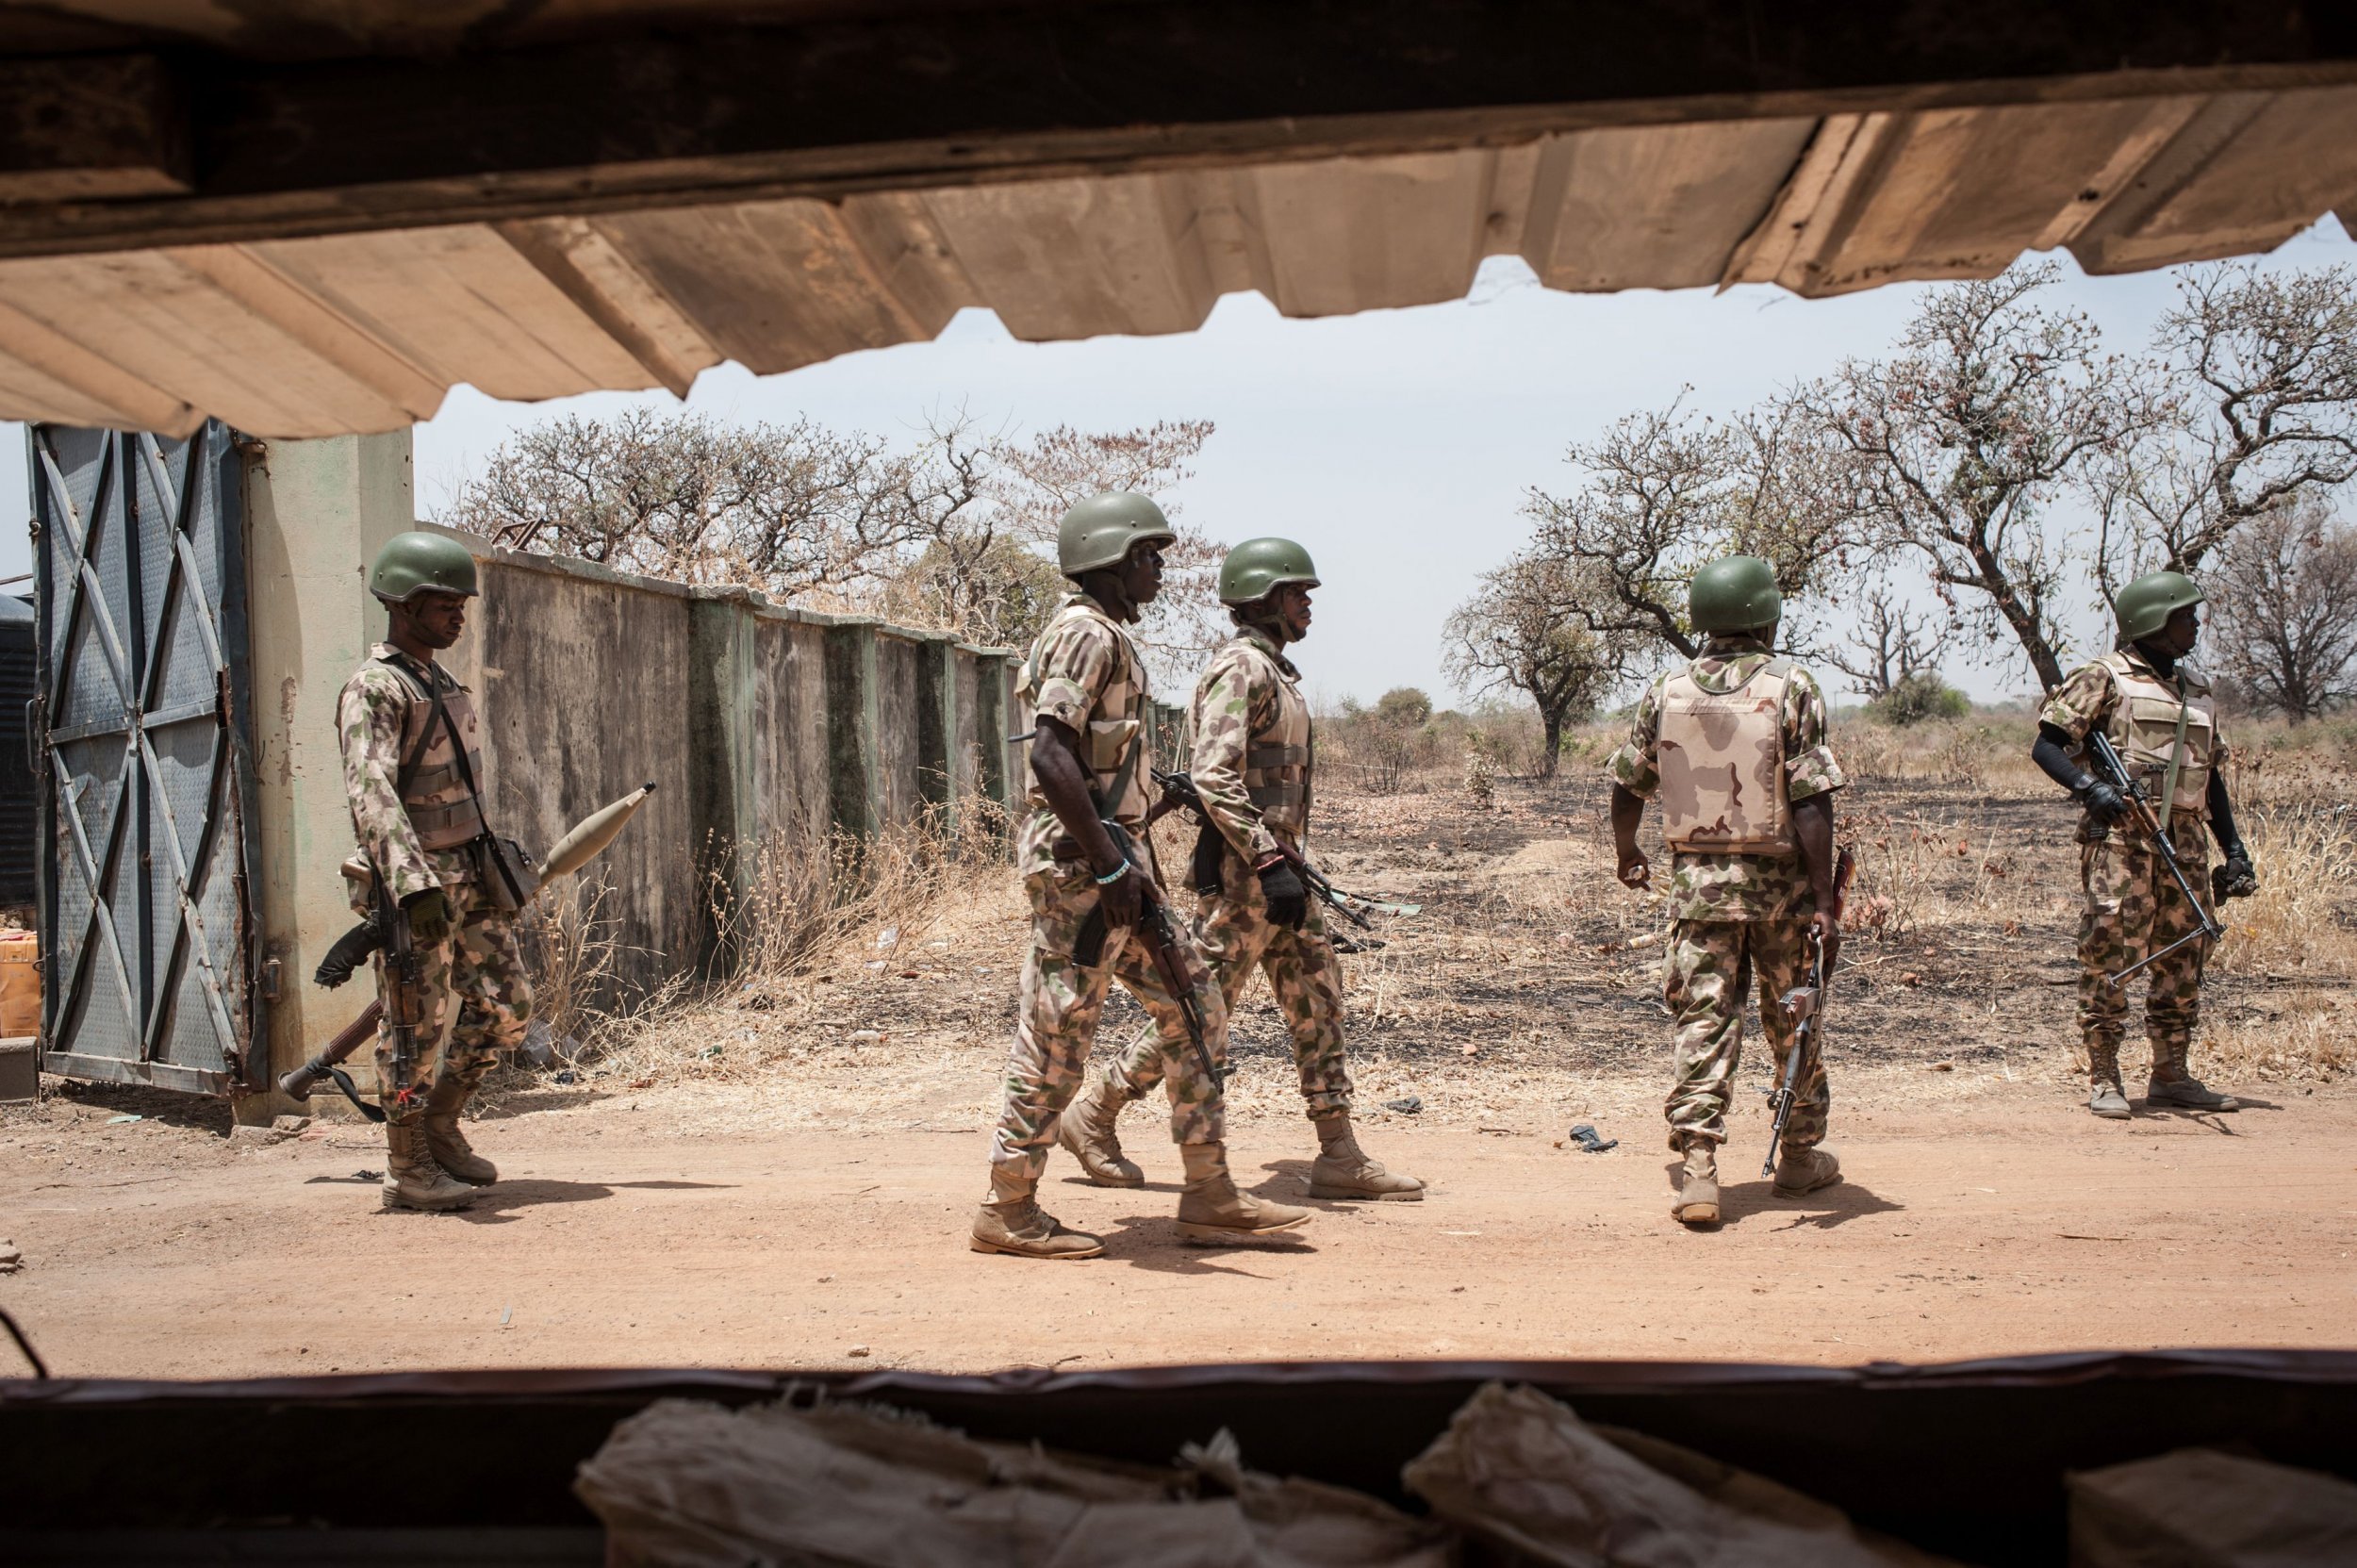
367	331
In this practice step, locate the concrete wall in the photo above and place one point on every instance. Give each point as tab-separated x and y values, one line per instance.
755	720
316	513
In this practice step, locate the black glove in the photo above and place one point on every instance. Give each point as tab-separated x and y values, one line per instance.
2236	878
1288	900
2102	802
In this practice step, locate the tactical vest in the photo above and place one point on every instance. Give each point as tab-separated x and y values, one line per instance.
1116	747
433	787
1277	760
1720	759
2144	725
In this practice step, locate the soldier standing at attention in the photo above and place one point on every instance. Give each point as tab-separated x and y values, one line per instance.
2159	714
1734	744
1085	688
1252	762
411	762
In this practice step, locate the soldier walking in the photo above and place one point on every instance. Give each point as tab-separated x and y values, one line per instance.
1085	688
412	761
2161	717
1734	746
1252	765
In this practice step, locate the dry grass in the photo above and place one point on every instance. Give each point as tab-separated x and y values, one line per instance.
2298	923
880	985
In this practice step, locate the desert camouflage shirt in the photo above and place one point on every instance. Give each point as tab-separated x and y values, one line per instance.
370	714
1086	673
2088	694
1236	702
1732	886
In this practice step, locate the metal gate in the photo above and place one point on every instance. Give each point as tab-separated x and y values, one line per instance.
148	848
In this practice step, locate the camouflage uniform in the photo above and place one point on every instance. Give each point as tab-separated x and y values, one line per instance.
475	996
2133	906
1086	673
1735	915
1249	711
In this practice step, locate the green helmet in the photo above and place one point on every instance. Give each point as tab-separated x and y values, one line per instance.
418	560
2145	605
1257	565
1099	531
1734	593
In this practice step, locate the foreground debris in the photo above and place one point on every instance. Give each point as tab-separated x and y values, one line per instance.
687	1484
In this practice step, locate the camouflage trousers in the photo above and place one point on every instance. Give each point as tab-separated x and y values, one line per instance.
473	999
1236	936
1709	967
2135	907
1056	1024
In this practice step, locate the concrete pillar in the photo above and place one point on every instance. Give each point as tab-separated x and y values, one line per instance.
316	514
990	726
938	727
854	770
722	717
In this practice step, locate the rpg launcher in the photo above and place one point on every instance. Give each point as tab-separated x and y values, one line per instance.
352	950
1805	1005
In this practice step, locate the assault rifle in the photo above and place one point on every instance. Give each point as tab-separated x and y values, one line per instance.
1163	946
2113	770
387	928
1805	1006
1180	794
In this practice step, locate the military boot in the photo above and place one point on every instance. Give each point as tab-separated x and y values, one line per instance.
1211	1209
2104	1096
1343	1169
443	1139
2172	1085
1801	1170
1086	1129
1012	1221
1696	1201
412	1179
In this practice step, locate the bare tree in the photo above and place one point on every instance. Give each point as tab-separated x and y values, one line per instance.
2282	598
1956	446
788	508
1523	631
956	533
1888	643
2263	369
1663	492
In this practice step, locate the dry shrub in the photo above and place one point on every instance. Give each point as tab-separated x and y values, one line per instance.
791	908
2300	919
2309	1035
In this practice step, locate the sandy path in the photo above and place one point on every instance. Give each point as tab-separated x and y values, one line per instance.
2002	1222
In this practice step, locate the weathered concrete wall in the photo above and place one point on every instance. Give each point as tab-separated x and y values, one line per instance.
316	513
756	720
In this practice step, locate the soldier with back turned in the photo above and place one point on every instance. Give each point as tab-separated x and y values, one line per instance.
1734	746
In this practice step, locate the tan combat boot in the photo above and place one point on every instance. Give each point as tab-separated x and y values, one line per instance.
1343	1170
1086	1128
1012	1221
2172	1085
2104	1096
1211	1209
1696	1201
1802	1170
412	1179
445	1142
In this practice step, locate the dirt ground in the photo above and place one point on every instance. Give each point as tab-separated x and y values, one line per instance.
784	1178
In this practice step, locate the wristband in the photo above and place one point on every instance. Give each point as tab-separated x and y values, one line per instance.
1115	874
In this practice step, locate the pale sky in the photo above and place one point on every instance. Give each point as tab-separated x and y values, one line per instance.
1397	445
